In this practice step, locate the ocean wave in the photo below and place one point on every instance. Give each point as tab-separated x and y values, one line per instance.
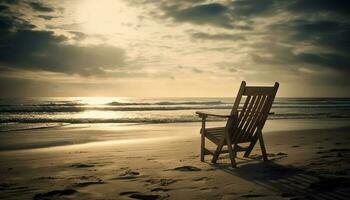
34	109
60	104
115	103
43	104
314	100
345	106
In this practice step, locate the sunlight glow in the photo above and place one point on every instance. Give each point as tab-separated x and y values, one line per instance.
95	114
104	17
101	100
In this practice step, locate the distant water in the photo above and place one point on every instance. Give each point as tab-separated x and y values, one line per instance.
25	113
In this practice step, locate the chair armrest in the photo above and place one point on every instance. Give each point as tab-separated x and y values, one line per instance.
270	113
203	114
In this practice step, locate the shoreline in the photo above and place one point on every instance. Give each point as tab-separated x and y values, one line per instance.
74	134
27	126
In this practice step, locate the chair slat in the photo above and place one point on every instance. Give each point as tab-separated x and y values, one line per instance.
252	127
246	114
250	118
243	111
258	91
240	116
266	110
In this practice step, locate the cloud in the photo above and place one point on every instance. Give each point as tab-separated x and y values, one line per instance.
47	17
8	23
252	8
213	14
10	1
78	35
22	47
284	56
327	42
341	7
220	36
329	33
275	33
3	7
196	70
228	15
329	60
42	50
36	6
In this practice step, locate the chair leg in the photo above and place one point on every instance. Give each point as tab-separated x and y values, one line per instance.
263	149
231	152
232	156
218	150
250	148
202	147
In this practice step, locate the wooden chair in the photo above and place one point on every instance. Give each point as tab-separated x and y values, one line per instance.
243	126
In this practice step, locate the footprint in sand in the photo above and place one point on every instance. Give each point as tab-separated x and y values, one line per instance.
208	189
14	188
145	196
187	168
82	165
128	174
326	156
160	190
252	195
340	150
270	155
46	178
141	196
161	182
201	179
54	194
88	180
127	193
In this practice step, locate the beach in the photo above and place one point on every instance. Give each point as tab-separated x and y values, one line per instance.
308	159
121	100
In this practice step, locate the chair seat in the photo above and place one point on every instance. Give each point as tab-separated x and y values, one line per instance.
215	134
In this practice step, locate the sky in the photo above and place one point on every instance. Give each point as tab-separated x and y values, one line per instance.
182	48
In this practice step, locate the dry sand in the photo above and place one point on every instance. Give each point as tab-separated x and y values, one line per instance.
309	159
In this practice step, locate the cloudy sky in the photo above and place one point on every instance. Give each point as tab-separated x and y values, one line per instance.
146	48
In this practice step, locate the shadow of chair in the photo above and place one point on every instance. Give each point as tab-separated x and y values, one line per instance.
289	181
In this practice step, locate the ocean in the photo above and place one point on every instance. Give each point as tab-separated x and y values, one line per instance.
27	113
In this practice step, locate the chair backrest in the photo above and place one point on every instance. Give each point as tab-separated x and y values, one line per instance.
253	114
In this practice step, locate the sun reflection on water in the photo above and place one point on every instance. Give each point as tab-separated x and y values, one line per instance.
101	100
96	114
98	102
